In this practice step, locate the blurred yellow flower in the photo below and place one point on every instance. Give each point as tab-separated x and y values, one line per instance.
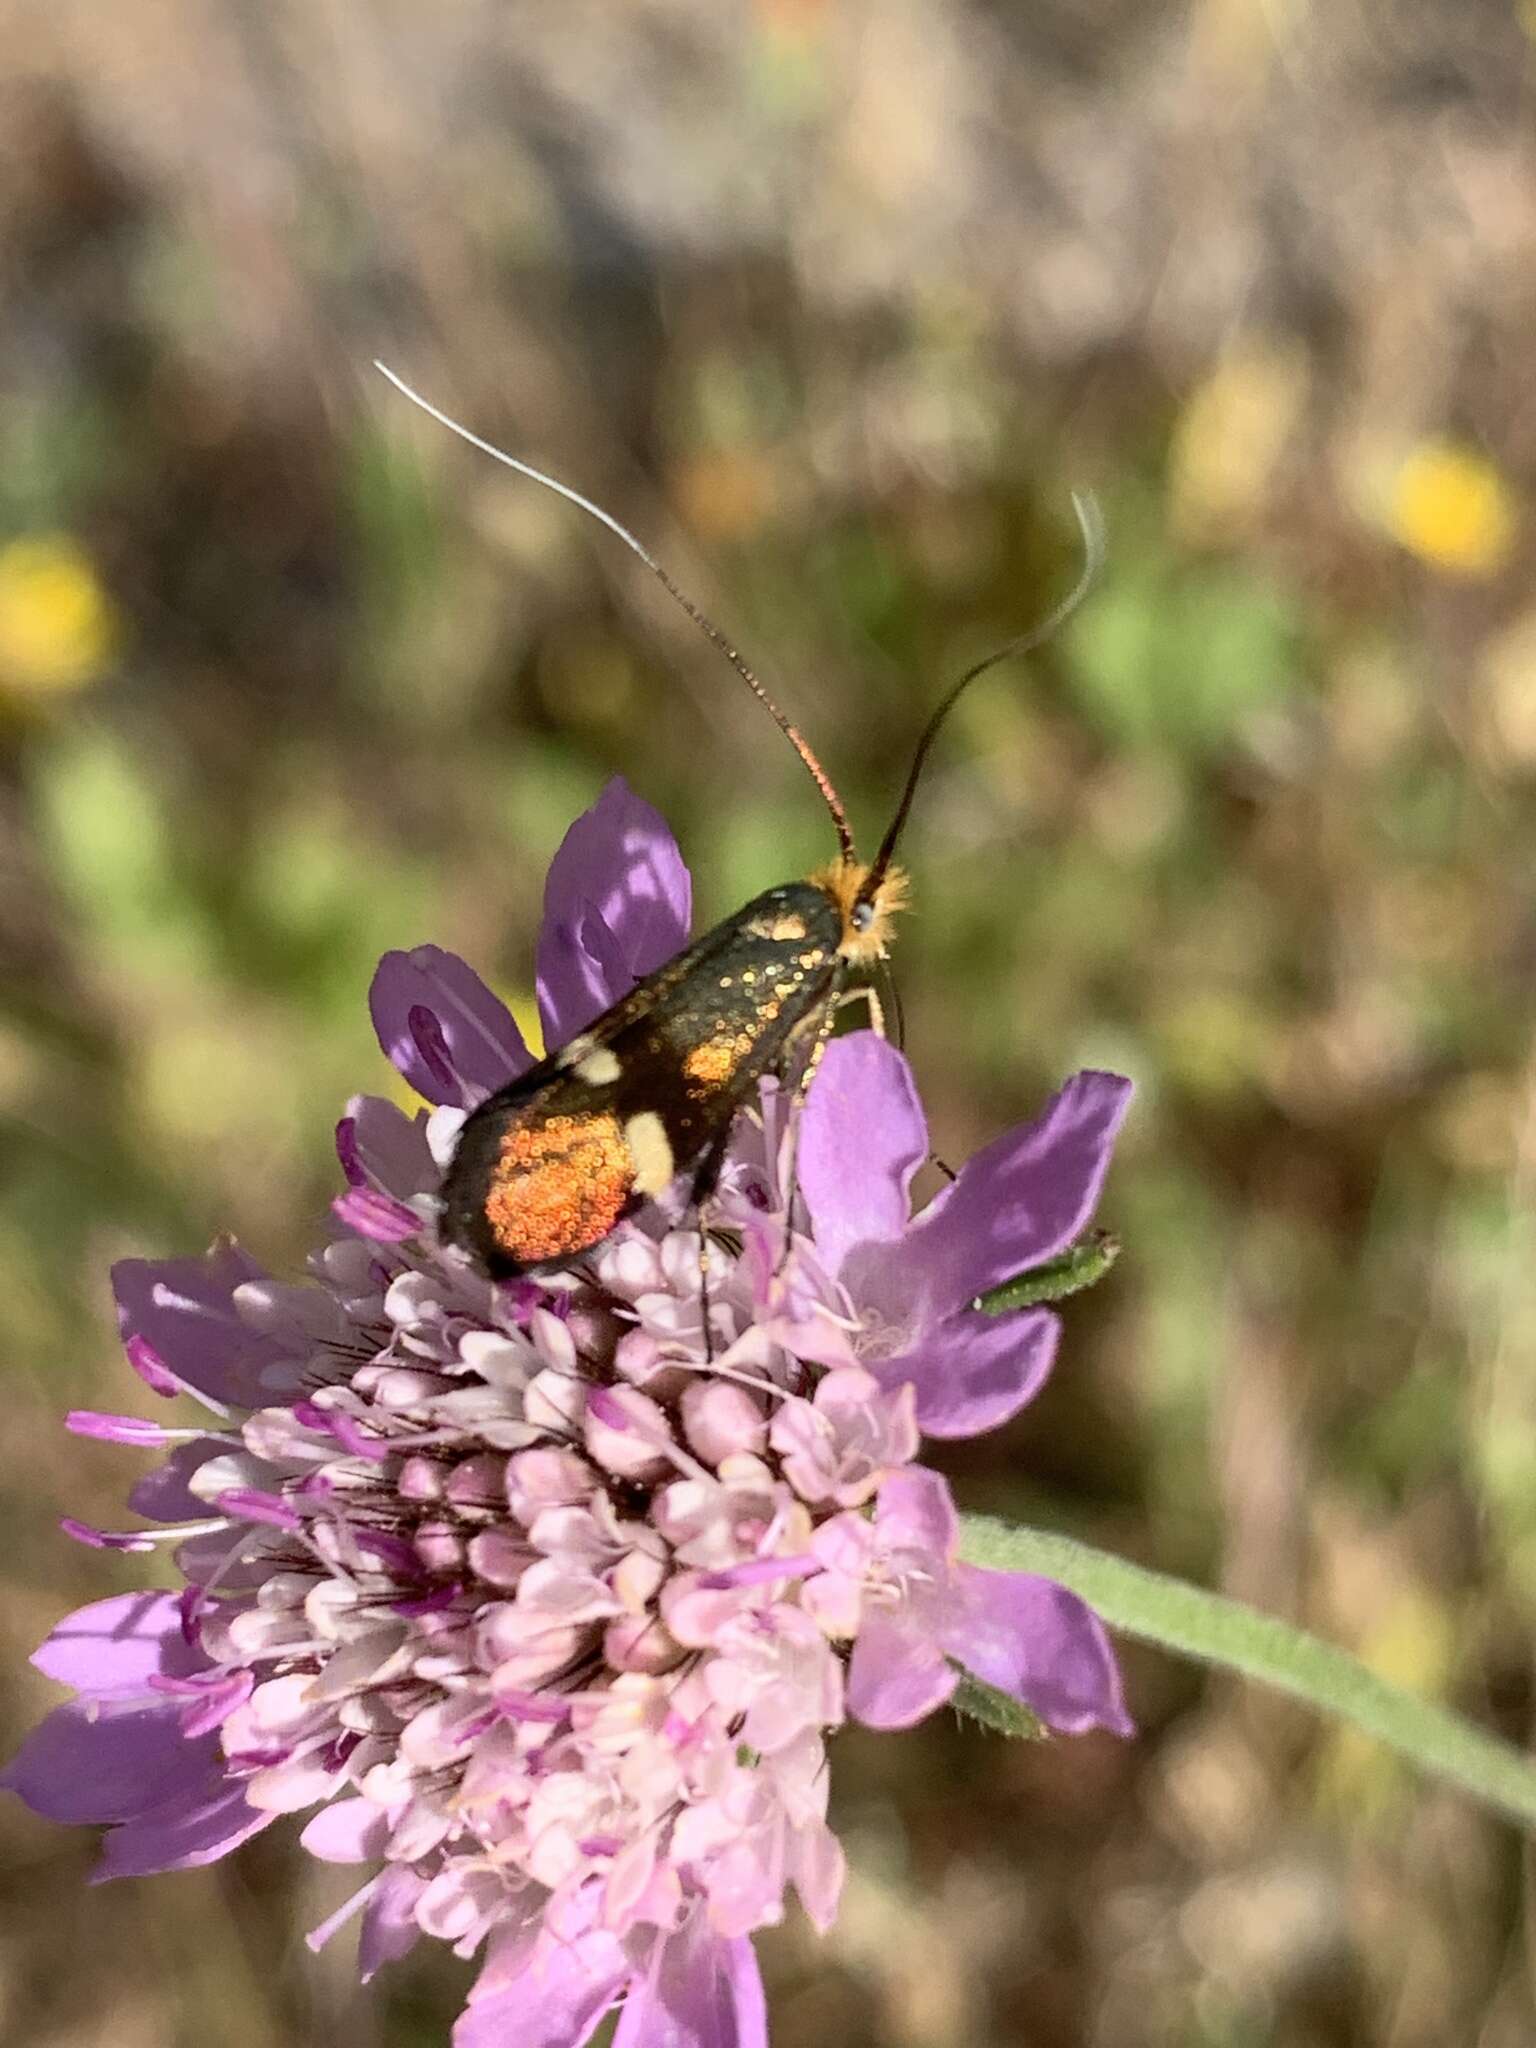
1230	436
57	625
794	18
1411	1643
524	1005
727	493
1449	506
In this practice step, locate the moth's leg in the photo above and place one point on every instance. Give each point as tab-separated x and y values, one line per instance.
889	984
798	1089
705	1180
704	1323
868	995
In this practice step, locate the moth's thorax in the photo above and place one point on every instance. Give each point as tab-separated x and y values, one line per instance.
864	917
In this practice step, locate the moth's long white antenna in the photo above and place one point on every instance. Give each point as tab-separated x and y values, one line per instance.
550	483
706	626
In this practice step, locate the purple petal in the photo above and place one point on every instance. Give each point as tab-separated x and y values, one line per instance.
605	1407
862	1138
355	1440
1016	1204
113	1648
164	1494
608	963
393	1551
557	2001
761	1571
515	1938
376	1216
484	1047
431	1045
184	1833
386	1149
1033	1639
390	1929
150	1367
706	1993
347	1155
184	1309
207	1706
83	1763
914	1511
105	1539
974	1371
616	905
252	1504
347	1831
132	1430
897	1673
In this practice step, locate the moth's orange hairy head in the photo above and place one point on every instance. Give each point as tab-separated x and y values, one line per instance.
866	911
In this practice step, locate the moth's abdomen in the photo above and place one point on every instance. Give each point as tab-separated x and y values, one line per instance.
544	1172
557	1187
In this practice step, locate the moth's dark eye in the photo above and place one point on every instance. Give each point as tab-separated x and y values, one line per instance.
862	916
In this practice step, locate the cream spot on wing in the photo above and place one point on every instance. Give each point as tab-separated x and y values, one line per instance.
598	1068
647	1141
781	925
575	1052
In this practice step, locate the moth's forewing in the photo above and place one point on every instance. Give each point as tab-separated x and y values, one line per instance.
547	1166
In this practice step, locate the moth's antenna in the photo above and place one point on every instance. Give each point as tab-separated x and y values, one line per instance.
1090	521
706	626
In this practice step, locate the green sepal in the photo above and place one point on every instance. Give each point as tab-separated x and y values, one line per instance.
1079	1266
999	1711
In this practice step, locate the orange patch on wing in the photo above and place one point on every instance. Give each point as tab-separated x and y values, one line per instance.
710	1065
559	1187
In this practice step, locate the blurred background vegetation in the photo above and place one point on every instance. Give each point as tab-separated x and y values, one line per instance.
835	304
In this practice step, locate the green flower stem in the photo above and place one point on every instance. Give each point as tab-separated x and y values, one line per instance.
1219	1631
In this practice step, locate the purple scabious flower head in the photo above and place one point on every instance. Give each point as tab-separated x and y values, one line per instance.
538	1603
